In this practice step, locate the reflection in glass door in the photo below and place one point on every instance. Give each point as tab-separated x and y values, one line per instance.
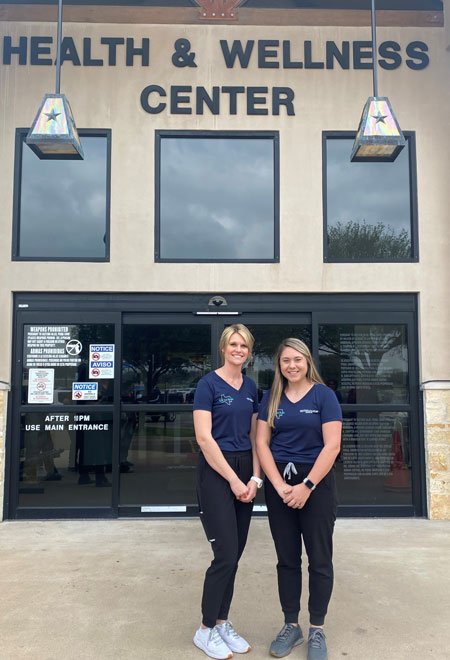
367	365
64	436
161	366
268	336
162	363
130	449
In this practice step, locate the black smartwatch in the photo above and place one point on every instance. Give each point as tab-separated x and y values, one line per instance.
309	484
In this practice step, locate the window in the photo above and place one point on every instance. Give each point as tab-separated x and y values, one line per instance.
216	196
61	207
369	208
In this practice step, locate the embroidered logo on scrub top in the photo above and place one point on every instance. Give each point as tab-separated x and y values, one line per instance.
309	412
249	399
226	399
279	413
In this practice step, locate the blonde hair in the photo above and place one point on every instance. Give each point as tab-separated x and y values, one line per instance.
241	330
280	382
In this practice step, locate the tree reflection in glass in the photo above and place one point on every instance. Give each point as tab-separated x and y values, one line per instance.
368	206
365	363
163	363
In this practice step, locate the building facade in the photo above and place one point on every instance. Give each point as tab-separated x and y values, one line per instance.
217	186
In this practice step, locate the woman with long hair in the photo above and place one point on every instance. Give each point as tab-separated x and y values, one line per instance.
298	439
228	476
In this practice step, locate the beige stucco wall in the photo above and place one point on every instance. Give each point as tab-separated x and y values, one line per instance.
109	97
437	447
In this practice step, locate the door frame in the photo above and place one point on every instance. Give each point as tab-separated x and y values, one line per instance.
52	308
26	317
217	320
378	317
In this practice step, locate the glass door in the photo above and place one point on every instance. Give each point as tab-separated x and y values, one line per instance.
100	422
269	330
63	433
368	360
163	358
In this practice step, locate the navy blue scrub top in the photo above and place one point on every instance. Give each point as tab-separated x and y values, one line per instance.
297	436
231	410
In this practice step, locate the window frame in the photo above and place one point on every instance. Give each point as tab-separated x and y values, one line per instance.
410	136
163	134
21	134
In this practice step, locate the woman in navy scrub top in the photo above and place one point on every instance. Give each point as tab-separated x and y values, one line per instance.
228	476
298	440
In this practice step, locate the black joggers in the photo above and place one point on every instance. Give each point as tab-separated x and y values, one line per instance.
315	524
226	522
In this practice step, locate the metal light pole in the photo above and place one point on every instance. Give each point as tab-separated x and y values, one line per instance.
379	137
53	134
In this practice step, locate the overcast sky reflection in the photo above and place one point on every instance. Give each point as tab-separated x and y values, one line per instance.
63	204
374	192
217	198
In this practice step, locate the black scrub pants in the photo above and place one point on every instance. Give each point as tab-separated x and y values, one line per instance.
315	524
226	522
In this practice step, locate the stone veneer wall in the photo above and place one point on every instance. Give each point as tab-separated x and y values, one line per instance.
437	447
3	406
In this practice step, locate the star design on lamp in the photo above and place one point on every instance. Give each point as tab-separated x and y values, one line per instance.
379	117
53	133
52	115
379	137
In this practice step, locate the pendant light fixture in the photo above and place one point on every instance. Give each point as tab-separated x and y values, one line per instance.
379	137
53	134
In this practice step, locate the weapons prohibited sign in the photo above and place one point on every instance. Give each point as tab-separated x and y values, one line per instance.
74	347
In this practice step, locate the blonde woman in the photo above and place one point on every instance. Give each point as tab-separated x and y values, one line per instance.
228	476
298	439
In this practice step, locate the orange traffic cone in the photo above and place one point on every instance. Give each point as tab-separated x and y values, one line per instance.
398	478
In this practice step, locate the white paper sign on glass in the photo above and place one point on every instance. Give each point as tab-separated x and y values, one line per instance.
41	385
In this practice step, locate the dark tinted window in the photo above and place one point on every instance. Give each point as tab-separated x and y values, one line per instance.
62	205
368	206
365	363
374	466
217	198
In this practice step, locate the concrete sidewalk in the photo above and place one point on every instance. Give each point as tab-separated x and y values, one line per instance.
130	590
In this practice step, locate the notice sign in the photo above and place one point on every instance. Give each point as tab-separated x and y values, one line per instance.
101	361
41	385
84	391
51	346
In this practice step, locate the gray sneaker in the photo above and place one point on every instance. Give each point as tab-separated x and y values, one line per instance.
288	637
317	647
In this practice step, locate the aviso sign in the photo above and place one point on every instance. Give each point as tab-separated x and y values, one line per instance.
236	54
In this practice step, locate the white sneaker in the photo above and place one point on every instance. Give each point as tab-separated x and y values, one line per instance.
234	641
210	641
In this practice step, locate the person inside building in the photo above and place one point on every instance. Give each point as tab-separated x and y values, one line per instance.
298	439
228	476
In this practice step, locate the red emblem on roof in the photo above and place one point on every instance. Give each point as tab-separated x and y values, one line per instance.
218	10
